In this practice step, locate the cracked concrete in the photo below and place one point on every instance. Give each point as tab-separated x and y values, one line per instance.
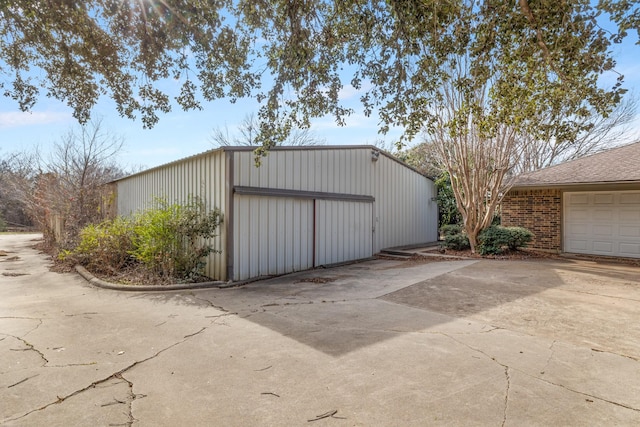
506	395
29	347
377	343
111	379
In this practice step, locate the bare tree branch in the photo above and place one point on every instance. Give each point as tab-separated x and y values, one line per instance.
65	191
602	133
248	132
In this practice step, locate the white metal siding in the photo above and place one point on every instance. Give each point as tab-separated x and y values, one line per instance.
404	212
202	176
272	236
343	231
324	170
602	223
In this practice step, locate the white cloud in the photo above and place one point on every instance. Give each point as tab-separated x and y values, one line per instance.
359	130
13	119
349	92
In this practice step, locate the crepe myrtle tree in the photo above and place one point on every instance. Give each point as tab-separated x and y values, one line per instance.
511	67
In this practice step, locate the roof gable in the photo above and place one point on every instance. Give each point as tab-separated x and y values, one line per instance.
617	165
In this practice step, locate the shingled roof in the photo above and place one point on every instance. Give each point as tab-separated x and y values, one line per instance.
617	165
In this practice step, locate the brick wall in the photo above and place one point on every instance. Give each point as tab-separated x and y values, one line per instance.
540	212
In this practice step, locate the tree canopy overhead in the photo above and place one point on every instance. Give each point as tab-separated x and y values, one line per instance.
541	57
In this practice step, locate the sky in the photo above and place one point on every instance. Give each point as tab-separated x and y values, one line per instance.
178	134
181	134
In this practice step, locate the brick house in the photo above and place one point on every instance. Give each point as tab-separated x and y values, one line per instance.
588	206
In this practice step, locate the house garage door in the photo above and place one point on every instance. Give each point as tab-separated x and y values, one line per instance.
602	223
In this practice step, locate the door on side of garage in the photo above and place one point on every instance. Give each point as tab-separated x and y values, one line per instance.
344	231
602	223
273	235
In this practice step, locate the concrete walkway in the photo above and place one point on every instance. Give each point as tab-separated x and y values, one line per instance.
386	343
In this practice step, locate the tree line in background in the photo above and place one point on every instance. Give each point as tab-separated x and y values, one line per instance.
60	193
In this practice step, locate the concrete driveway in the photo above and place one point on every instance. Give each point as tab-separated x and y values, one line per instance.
390	343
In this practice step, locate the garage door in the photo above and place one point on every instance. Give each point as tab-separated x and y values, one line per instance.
278	235
273	235
343	231
602	223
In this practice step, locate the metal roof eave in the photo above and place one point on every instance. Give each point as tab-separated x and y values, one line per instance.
277	148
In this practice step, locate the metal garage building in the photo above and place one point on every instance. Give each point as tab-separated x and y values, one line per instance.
303	207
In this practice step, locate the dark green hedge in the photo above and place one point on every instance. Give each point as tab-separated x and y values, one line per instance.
496	238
